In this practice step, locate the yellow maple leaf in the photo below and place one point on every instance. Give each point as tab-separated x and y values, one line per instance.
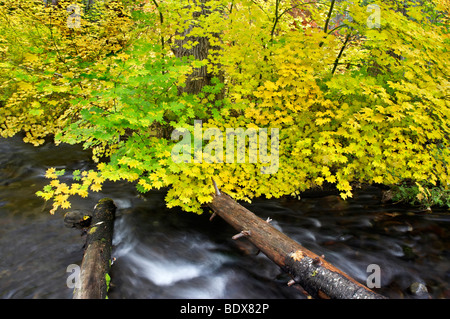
298	255
378	179
319	180
59	199
133	163
270	86
65	204
30	57
331	179
54	183
47	196
62	188
123	160
83	193
96	187
74	188
51	173
68	75
157	184
378	118
322	120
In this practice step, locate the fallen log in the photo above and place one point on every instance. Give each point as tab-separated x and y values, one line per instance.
313	273
94	277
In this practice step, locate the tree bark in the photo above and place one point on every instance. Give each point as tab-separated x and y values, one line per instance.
200	77
317	277
94	278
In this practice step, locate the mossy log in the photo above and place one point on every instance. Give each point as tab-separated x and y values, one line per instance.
313	273
77	219
94	277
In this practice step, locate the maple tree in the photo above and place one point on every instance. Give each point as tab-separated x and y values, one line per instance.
358	91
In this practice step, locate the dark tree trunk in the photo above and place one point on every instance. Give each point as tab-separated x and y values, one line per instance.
200	77
97	255
317	276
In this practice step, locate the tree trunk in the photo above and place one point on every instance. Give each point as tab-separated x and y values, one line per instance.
317	276
94	278
200	77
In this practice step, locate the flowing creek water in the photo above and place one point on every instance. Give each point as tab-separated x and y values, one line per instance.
162	253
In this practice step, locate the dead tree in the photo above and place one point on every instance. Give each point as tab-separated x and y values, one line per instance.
94	277
313	273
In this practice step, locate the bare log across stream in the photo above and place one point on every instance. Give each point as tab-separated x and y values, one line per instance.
96	262
313	273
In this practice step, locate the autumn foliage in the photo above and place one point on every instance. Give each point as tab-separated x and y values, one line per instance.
359	91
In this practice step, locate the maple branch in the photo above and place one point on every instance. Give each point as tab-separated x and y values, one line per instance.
336	62
277	17
325	29
161	20
338	27
329	16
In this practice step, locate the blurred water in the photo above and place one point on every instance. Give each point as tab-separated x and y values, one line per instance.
162	253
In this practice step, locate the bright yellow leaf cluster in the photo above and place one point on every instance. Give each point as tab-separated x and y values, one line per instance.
49	61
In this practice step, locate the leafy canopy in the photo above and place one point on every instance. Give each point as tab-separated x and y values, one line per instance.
353	101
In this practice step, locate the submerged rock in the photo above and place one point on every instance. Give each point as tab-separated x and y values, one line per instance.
386	196
418	289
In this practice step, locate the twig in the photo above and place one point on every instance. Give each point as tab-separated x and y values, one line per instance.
216	189
340	53
244	233
329	16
